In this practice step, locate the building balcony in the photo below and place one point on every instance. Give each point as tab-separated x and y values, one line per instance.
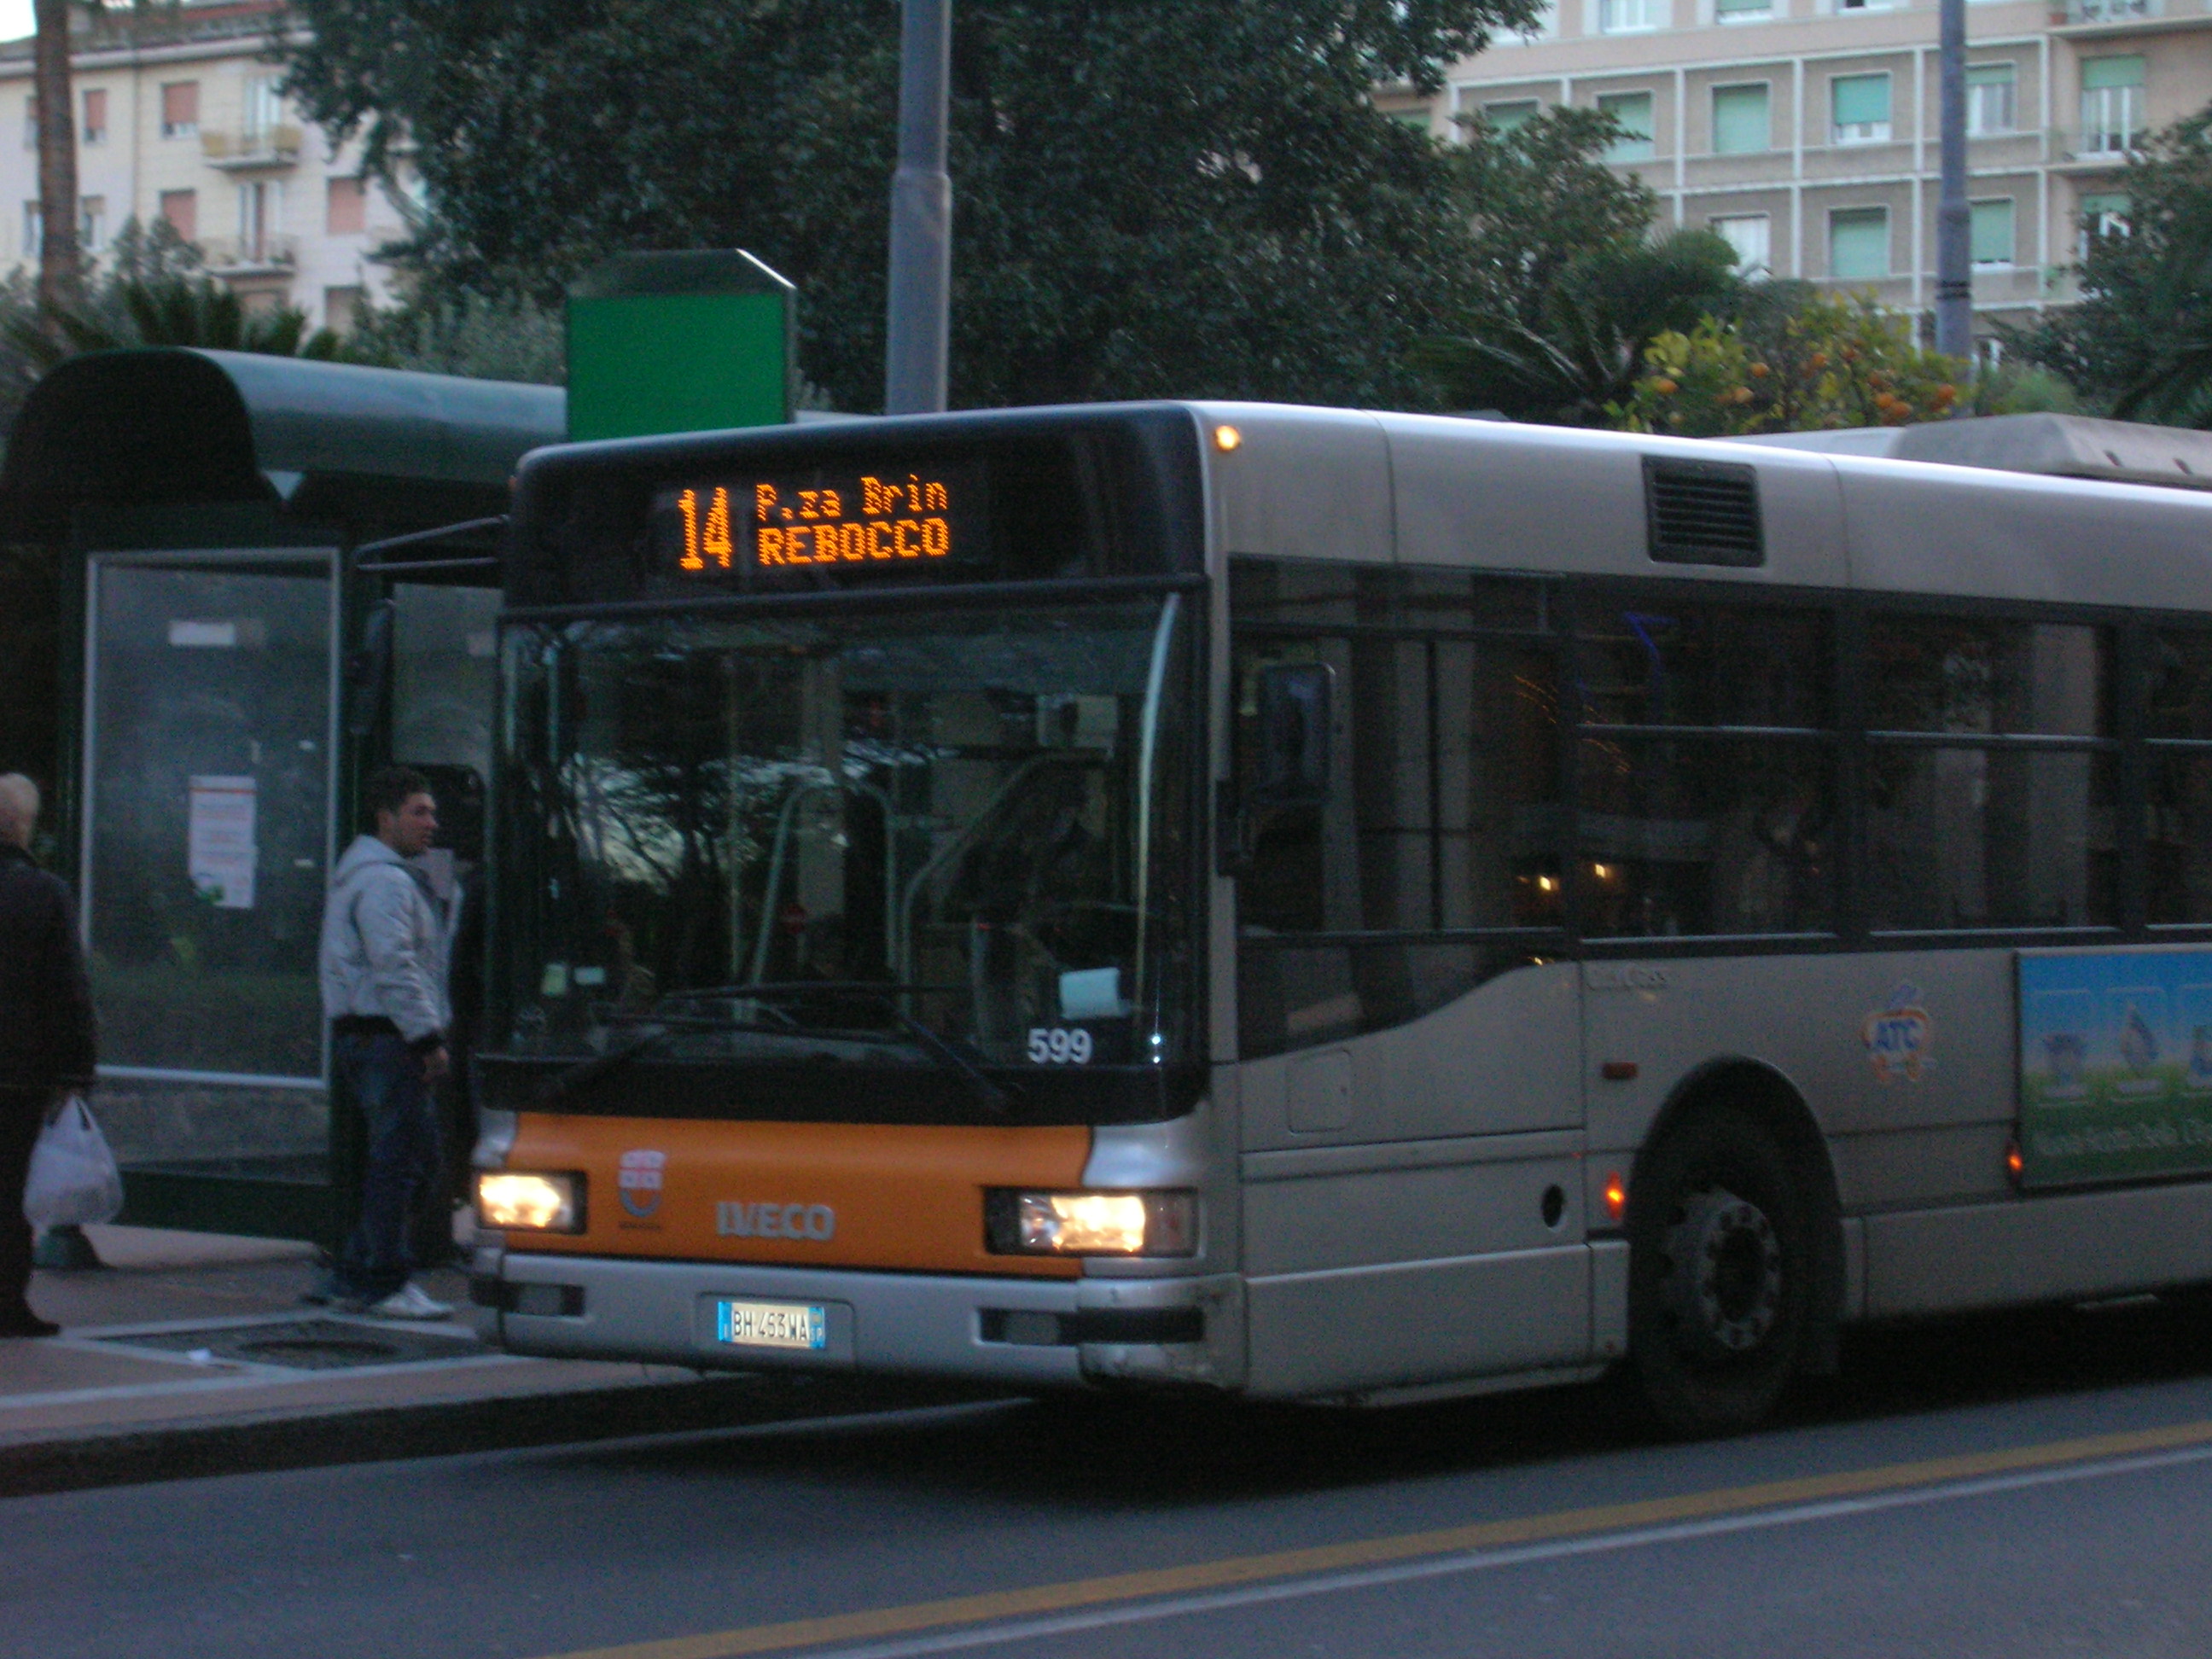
262	146
250	256
2093	151
2074	12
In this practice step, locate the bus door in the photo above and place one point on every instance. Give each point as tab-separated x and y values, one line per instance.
1411	1036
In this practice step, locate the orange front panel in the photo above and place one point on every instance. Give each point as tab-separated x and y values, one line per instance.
817	1194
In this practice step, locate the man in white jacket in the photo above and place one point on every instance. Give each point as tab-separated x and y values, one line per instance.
384	962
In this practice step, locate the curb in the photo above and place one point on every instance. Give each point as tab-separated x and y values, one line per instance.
276	1441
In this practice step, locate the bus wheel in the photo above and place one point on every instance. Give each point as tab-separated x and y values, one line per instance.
1720	1277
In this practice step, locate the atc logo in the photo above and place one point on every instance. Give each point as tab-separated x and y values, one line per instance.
1899	1038
638	1183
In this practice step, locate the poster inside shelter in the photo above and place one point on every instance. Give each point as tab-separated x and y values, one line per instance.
2115	1064
220	853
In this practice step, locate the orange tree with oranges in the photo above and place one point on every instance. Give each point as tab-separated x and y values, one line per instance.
1817	363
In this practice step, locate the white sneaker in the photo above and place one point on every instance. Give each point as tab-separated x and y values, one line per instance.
408	1302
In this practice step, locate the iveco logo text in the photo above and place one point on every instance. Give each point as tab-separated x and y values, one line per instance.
741	1220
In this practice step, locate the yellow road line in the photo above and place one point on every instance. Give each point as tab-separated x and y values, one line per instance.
877	1622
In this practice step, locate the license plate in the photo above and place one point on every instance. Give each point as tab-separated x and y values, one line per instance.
772	1324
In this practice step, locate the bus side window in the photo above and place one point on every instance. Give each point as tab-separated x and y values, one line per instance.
1706	773
2177	726
1439	816
2001	825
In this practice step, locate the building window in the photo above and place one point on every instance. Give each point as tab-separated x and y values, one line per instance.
342	309
261	215
1992	239
1627	17
95	115
348	207
180	109
1740	120
180	211
1510	116
34	242
1416	118
92	224
1741	11
1751	234
2103	213
2112	104
1989	102
1858	244
1632	110
264	110
1863	5
1861	108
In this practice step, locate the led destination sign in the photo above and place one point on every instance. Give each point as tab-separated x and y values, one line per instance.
861	522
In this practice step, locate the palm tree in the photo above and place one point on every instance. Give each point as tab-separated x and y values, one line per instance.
61	255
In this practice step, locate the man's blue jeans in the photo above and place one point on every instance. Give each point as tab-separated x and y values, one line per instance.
388	1085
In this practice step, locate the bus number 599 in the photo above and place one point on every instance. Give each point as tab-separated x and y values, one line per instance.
1059	1045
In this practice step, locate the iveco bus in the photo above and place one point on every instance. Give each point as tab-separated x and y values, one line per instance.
1326	905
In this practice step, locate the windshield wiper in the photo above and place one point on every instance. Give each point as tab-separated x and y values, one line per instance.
767	992
662	1027
987	1093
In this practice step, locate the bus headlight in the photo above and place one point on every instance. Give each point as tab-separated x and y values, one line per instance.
514	1201
1016	1223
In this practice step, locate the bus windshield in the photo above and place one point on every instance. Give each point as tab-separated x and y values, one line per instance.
938	847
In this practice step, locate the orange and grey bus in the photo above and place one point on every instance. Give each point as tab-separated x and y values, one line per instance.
1336	905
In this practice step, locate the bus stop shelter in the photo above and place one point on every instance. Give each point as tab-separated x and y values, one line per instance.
231	675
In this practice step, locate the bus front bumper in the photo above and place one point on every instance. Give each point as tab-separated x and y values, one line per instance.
1032	1332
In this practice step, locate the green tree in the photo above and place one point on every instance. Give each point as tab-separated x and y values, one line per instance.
150	291
2139	344
1801	361
1196	197
1568	286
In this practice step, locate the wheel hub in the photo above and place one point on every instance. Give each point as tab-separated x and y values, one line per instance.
1726	1279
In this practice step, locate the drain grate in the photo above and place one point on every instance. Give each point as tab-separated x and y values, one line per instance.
309	1344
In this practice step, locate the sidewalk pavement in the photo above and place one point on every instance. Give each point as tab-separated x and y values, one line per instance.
193	1354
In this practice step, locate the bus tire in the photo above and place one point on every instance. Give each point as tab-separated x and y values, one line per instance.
1720	1302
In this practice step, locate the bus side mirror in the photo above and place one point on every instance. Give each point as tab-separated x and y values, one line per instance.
1291	767
1288	768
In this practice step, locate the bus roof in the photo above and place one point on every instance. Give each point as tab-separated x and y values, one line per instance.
1438	490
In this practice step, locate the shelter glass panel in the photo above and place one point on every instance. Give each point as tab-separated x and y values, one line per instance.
208	804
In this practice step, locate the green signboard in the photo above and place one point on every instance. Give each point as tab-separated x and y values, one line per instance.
695	342
2115	1064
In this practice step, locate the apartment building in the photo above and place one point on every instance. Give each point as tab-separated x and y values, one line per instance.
177	119
1806	131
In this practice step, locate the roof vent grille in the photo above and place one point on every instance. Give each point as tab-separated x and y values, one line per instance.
1703	512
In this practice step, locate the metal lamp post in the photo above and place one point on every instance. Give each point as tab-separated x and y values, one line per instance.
1954	219
917	326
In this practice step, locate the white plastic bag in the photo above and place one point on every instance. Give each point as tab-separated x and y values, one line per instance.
73	1176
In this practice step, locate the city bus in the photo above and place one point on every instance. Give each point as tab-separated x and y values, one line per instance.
1333	906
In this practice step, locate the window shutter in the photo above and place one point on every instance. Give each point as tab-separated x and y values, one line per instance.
2097	72
1858	244
1861	99
1740	123
1992	233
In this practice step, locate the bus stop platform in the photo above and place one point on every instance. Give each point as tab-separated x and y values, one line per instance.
193	1354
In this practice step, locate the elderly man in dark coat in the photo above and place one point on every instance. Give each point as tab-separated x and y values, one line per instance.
46	1043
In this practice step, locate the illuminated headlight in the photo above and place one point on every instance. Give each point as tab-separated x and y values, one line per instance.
511	1201
1089	1223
